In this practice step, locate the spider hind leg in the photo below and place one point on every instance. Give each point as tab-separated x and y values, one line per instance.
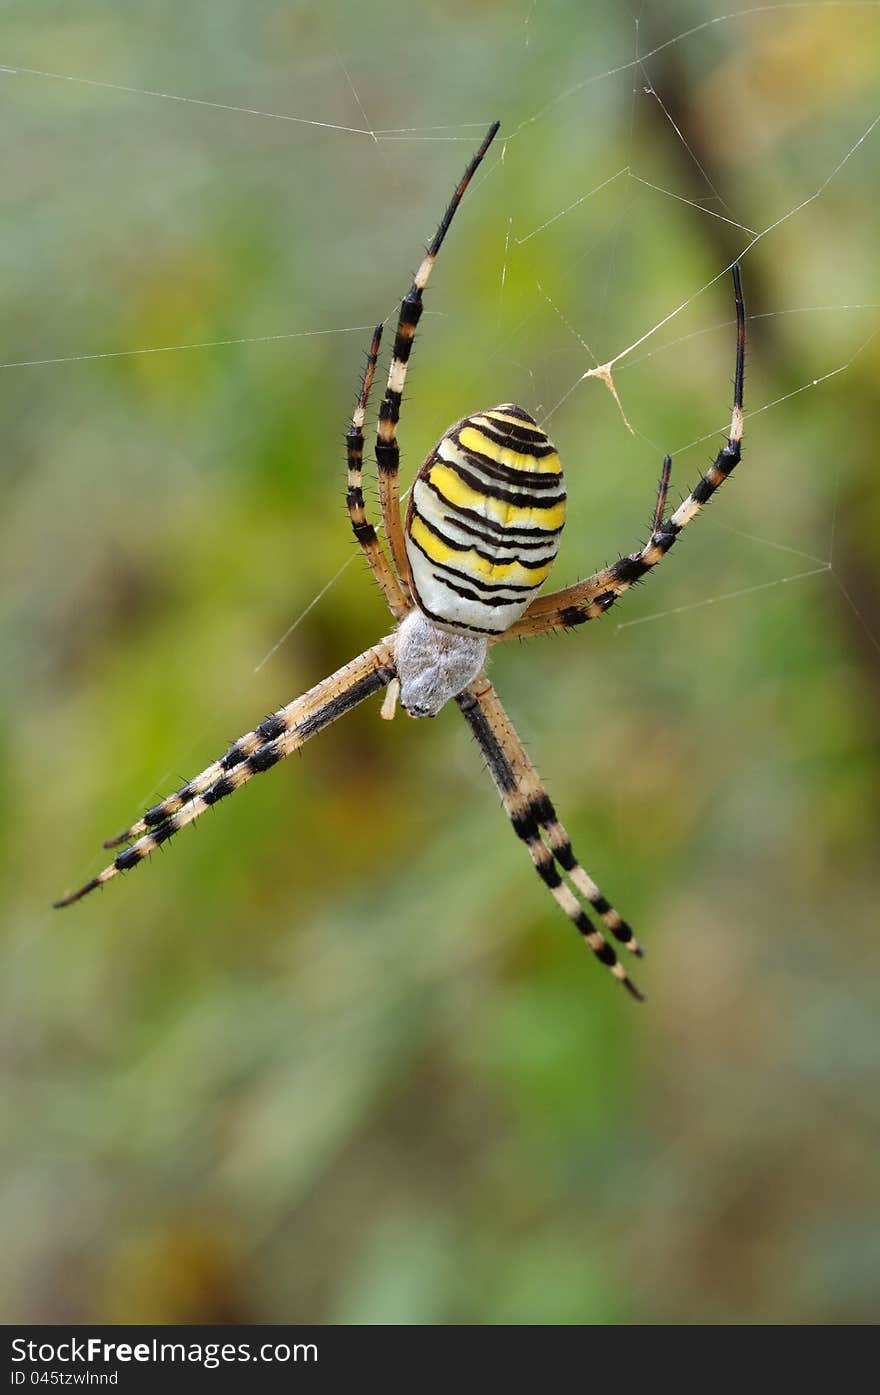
530	810
285	731
560	845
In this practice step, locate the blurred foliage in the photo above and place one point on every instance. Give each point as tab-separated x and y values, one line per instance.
334	1056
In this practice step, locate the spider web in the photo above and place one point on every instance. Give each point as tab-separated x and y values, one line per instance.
634	71
652	343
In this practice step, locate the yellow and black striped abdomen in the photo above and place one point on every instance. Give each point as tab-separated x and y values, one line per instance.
484	521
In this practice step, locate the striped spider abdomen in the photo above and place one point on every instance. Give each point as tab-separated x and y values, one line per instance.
484	521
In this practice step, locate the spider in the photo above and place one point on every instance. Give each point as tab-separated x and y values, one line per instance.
482	530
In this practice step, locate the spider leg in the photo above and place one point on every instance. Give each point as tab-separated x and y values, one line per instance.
286	731
662	491
529	809
361	525
387	448
292	714
593	597
541	809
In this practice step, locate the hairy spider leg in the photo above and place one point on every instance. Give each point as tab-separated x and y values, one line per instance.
361	526
289	729
387	448
528	808
588	599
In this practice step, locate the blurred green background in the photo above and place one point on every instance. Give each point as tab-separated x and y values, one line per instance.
334	1056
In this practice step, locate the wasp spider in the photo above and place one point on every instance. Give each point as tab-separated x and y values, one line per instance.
482	530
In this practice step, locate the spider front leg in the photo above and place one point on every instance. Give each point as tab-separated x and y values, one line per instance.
662	491
593	597
532	815
387	448
361	525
